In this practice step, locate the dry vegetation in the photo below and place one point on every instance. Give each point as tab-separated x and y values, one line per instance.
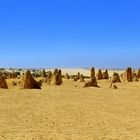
71	112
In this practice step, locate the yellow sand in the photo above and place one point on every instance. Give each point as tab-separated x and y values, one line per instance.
71	112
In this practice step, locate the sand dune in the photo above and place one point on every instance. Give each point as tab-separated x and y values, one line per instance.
85	72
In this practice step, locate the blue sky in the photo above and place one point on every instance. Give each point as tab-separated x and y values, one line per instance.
70	33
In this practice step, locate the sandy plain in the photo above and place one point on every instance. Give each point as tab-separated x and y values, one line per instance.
71	112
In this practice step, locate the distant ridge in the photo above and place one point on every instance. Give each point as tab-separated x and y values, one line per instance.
86	68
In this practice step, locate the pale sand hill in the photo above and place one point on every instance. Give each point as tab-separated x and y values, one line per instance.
85	72
71	112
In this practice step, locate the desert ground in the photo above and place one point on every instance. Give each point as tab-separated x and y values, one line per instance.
71	112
